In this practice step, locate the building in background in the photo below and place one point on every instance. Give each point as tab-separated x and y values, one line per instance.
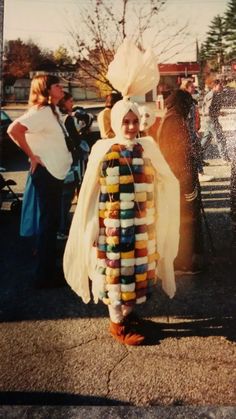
171	75
170	78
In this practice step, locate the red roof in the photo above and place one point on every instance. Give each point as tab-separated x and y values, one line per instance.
179	68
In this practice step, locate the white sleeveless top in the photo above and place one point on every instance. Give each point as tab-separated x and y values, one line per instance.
46	139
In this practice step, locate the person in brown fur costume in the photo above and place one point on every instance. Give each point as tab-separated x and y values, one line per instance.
174	142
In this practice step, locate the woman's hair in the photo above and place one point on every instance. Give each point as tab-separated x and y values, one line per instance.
180	101
112	98
61	103
39	89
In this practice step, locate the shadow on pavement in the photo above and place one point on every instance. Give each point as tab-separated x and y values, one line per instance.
157	331
55	399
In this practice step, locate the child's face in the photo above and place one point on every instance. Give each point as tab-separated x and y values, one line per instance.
130	126
69	104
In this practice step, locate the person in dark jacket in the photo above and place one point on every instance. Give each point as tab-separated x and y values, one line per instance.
79	150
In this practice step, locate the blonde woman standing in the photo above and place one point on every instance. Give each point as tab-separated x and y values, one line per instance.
39	134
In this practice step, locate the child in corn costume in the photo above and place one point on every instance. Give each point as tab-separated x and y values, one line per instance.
125	231
127	255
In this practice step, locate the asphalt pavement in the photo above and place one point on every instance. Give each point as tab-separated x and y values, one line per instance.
57	359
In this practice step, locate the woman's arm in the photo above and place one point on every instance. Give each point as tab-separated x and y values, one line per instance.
16	132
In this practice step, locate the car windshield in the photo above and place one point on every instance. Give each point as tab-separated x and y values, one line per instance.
4	116
93	109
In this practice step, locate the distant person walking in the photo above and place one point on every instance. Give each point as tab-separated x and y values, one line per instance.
39	134
194	124
104	117
211	108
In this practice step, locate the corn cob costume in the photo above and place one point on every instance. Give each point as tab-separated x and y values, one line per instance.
125	230
127	255
94	244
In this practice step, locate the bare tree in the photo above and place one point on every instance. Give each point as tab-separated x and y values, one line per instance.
102	26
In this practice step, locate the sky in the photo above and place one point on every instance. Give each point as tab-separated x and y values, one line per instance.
47	22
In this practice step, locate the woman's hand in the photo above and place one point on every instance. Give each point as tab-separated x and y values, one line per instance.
34	161
17	133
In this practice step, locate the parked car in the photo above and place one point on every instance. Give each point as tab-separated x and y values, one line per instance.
5	121
8	146
93	110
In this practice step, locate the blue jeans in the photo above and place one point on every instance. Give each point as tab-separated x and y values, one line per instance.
214	130
49	190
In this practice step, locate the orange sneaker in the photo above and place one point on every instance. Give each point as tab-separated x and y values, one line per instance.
125	334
